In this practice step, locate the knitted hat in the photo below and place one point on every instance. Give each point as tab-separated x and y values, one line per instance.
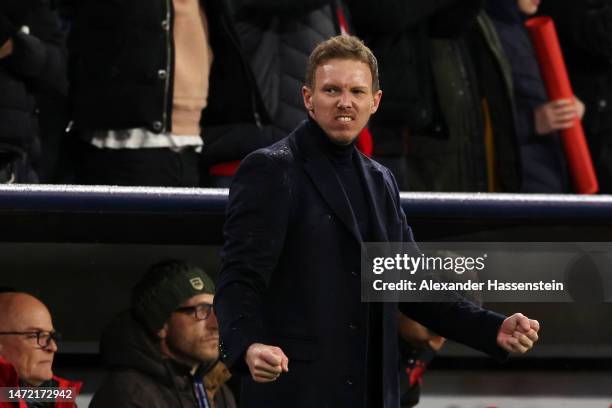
164	287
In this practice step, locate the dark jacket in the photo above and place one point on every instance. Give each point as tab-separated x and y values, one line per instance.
397	32
432	83
141	377
276	36
586	40
494	80
290	278
37	65
122	67
542	161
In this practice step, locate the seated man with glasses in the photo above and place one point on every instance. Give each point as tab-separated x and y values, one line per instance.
28	343
164	351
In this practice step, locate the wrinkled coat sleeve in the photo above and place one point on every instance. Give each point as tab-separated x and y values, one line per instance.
39	58
457	318
255	228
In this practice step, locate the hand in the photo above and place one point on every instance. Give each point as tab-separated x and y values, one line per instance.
518	333
579	107
266	363
6	49
557	115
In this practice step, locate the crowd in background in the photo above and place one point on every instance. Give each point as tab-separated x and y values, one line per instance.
176	93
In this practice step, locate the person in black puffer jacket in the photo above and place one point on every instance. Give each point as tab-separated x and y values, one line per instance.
277	37
32	60
544	169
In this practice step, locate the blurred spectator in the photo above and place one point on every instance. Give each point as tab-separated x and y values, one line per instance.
431	128
32	61
277	36
543	165
164	352
143	72
28	346
586	40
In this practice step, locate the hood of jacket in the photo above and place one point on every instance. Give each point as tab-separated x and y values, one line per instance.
126	344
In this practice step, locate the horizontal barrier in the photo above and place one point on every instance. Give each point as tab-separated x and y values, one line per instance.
160	199
77	245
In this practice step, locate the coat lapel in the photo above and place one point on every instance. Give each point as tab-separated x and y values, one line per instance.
322	173
376	192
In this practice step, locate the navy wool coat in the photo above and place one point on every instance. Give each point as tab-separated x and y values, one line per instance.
291	278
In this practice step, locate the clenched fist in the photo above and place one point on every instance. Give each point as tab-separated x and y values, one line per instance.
518	333
266	363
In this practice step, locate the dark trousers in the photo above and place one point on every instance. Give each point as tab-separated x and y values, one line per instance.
159	167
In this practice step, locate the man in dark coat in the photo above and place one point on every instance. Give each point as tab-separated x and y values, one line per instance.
288	300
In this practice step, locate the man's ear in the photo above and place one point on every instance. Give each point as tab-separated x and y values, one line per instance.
307	95
163	332
377	98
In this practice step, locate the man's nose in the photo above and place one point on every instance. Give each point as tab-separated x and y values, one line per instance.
52	346
211	322
344	100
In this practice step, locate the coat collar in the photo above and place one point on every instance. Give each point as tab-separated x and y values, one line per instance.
321	171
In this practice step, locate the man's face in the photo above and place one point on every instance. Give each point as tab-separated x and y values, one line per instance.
191	340
341	99
32	362
528	7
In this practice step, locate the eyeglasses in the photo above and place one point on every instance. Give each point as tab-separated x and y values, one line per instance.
43	338
201	311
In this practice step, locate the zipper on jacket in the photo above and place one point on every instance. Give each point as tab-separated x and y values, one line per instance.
165	115
69	127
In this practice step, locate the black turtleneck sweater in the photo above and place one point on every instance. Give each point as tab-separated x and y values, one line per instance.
344	160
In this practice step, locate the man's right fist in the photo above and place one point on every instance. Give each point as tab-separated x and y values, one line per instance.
266	363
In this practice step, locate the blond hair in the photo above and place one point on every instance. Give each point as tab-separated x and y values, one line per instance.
345	47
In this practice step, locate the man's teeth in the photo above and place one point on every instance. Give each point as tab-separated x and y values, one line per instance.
345	118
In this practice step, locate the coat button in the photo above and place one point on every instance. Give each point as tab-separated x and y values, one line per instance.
354	272
165	25
349	382
353	326
162	74
157	125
